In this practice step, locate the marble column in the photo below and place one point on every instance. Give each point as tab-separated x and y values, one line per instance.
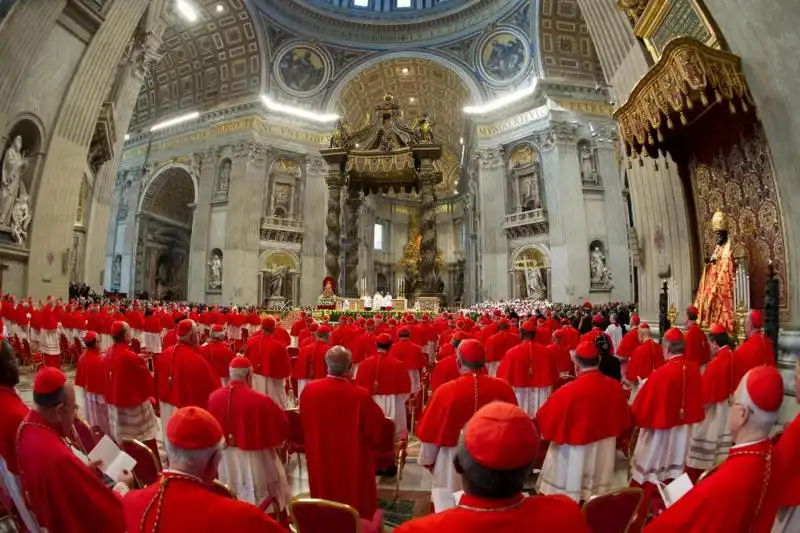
23	34
242	235
493	253
353	206
569	246
606	139
335	181
206	161
313	247
57	199
141	54
366	258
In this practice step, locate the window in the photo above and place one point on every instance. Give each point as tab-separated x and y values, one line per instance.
361	3
403	3
378	242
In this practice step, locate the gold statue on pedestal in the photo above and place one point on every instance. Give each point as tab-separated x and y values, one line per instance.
715	294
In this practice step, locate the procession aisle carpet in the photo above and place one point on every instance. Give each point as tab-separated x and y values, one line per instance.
409	504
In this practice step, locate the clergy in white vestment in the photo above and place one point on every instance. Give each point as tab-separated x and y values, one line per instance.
449	409
386	377
387	302
666	408
377	301
711	439
367	302
255	428
614	330
582	421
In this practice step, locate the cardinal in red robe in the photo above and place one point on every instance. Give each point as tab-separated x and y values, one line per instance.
446	368
388	381
183	377
12	409
529	369
582	419
270	360
756	350
184	500
697	348
445	415
341	421
711	438
493	460
62	493
217	352
560	355
411	356
498	345
743	494
128	393
644	360
630	341
91	381
255	427
310	363
788	447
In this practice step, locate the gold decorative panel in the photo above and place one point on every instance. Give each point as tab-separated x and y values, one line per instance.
206	63
566	47
419	86
665	20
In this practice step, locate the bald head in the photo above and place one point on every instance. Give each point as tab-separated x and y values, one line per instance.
338	360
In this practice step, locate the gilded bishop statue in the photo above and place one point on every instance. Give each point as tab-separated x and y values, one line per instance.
715	293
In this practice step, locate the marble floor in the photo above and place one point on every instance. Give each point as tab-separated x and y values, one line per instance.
415	478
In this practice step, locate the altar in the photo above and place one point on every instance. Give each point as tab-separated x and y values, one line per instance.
356	305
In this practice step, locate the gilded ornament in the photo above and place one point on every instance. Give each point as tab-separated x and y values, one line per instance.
719	222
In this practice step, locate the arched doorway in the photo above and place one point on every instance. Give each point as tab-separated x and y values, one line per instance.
164	231
278	279
530	274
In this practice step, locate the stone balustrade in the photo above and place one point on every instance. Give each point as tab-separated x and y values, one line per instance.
526	223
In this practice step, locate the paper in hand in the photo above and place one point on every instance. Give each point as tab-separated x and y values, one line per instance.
675	490
113	461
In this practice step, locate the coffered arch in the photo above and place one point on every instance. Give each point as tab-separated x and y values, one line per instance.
214	61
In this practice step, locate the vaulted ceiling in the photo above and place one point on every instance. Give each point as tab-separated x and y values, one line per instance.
567	49
170	195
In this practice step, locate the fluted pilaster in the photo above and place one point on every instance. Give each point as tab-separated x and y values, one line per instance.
314	200
610	30
493	253
23	34
65	162
206	162
240	259
617	257
569	246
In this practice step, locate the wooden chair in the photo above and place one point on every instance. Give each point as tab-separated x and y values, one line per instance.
631	448
148	467
223	489
296	444
313	515
85	438
613	512
391	452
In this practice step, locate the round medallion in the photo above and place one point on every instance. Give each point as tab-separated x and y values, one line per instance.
302	69
503	56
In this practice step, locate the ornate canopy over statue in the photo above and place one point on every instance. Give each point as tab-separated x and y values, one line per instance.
386	155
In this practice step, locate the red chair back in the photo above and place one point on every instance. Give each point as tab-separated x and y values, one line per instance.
136	346
613	512
313	515
148	467
85	435
297	440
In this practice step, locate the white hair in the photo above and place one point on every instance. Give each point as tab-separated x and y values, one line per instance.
239	374
758	419
193	462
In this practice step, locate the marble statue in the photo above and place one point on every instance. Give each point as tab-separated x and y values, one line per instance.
116	272
14	164
21	217
215	271
276	282
535	284
224	177
587	164
597	263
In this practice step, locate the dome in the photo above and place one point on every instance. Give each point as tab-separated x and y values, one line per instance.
394	10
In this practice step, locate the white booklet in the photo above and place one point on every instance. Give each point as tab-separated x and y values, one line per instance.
113	461
675	490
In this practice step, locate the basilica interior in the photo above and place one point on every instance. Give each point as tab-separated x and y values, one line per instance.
564	150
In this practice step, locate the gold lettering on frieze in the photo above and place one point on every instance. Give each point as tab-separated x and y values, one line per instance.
491	130
586	107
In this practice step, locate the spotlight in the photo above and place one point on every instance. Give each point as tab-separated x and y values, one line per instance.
220	8
404	70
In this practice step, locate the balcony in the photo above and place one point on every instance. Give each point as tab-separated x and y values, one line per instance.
526	223
281	229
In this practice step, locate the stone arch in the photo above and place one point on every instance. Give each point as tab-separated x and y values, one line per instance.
279	277
278	258
530	272
164	217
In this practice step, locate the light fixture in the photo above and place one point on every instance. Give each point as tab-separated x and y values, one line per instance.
503	101
220	8
187	10
127	137
404	70
357	145
299	112
461	140
174	121
412	99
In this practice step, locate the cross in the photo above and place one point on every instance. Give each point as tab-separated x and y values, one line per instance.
3	268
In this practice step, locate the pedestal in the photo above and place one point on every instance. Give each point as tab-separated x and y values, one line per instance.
429	304
275	302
